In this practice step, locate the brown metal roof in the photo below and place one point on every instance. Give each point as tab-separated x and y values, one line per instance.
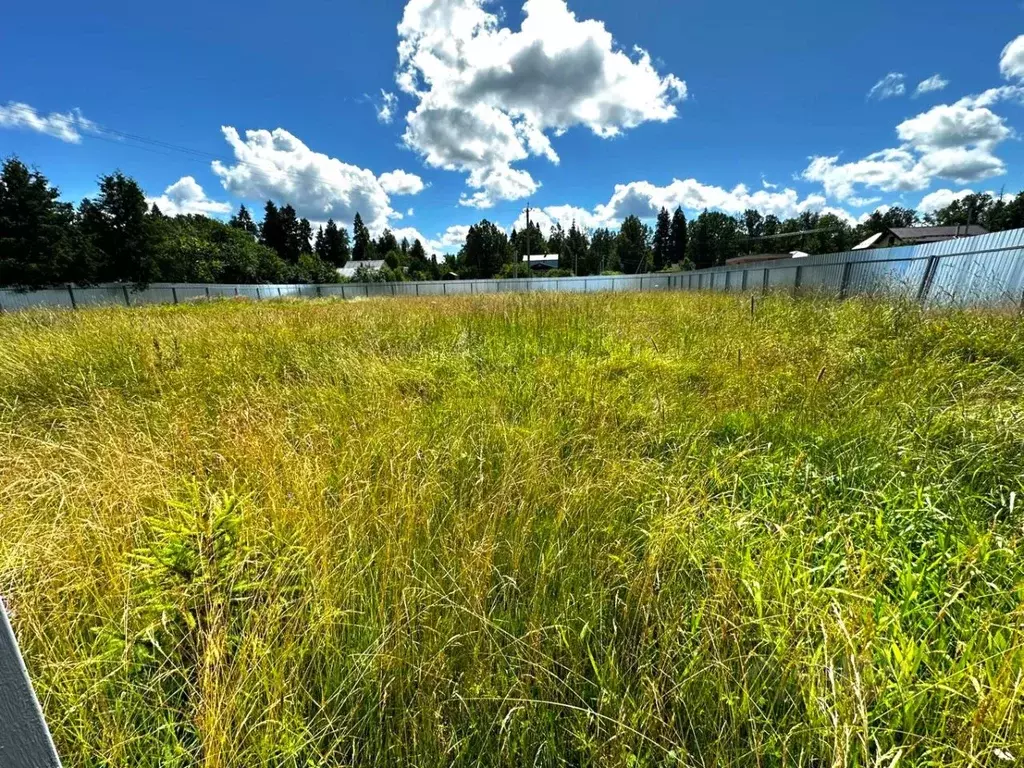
928	234
758	257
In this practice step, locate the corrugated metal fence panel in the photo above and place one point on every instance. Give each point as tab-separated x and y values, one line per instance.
55	298
981	269
99	297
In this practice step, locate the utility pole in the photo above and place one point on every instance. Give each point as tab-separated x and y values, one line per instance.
527	240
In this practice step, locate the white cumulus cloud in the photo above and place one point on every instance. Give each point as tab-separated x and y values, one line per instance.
953	125
400	182
893	84
940	198
891	170
186	196
645	199
66	126
490	96
277	165
1011	63
949	141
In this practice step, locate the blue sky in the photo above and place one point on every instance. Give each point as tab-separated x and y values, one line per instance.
590	110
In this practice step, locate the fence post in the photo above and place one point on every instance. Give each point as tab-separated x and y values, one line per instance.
926	280
394	290
71	293
258	297
796	280
207	293
236	290
417	289
24	737
319	290
743	285
844	284
279	291
764	282
174	294
127	303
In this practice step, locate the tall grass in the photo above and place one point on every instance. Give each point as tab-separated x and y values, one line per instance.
608	530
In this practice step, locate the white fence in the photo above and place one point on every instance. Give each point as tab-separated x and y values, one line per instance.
978	270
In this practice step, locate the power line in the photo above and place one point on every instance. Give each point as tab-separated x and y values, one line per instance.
94	131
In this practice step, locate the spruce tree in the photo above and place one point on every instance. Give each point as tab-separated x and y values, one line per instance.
662	246
116	228
37	231
243	220
678	248
362	244
272	232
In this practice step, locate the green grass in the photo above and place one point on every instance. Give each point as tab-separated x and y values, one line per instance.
608	530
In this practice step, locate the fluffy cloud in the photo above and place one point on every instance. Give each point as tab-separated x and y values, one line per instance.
953	125
644	199
641	198
1011	63
993	96
277	165
488	96
949	141
962	164
893	84
185	196
454	236
66	126
891	170
940	198
400	182
448	241
933	83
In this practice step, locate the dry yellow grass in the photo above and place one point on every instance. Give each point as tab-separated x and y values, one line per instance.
548	530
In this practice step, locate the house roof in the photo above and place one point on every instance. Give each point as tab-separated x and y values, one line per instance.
536	258
930	234
913	235
758	257
869	242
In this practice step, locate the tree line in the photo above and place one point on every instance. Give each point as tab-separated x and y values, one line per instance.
708	240
117	238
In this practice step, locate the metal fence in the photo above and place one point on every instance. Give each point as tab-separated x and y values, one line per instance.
978	270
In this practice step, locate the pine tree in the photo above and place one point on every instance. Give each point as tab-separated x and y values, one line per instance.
116	228
37	232
419	266
304	233
662	245
678	249
633	246
320	244
291	235
576	251
336	250
243	220
362	244
603	255
386	243
272	233
556	246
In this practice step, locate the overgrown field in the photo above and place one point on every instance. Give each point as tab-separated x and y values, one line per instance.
608	530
